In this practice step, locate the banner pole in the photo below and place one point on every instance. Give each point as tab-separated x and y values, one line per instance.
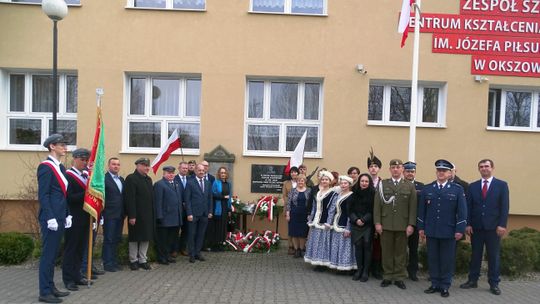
89	259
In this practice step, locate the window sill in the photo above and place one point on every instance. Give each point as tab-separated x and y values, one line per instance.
191	152
506	129
38	4
31	148
287	14
278	154
167	9
407	125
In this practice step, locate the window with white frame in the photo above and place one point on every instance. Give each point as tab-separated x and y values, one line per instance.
278	112
390	104
68	2
157	105
300	7
29	108
514	109
168	4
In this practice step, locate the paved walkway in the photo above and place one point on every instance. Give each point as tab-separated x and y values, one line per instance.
230	277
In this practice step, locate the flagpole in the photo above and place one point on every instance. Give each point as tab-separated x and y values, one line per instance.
414	85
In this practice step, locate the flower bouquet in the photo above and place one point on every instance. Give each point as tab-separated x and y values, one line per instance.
267	207
252	241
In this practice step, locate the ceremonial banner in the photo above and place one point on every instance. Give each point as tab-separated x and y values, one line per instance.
94	198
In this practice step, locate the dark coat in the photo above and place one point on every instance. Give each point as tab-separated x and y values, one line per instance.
487	214
114	200
75	200
139	201
52	199
168	203
197	202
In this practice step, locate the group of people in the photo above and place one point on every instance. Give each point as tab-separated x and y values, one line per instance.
362	223
181	212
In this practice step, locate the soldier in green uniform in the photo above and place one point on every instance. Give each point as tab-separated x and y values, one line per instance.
394	214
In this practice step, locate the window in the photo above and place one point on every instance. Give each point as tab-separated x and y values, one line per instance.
30	105
300	7
390	104
514	109
169	4
156	106
278	112
68	2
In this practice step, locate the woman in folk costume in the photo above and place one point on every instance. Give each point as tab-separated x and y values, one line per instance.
361	219
318	244
341	249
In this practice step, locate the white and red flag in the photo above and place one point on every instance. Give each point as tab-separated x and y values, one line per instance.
298	155
404	17
173	143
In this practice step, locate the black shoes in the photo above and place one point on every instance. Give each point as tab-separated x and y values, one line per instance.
59	294
192	259
71	286
134	266
413	277
469	285
385	283
110	268
356	276
445	293
171	260
495	290
83	282
297	253
97	271
145	266
431	290
364	277
50	298
163	262
400	284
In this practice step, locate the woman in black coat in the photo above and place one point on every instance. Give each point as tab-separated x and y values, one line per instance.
361	218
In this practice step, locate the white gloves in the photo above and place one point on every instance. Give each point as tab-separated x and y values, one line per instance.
52	224
68	221
94	226
101	221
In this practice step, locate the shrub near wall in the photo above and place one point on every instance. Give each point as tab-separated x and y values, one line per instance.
15	248
520	252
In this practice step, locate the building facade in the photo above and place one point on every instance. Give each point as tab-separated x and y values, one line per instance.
253	75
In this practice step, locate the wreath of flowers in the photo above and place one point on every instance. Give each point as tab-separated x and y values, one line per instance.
252	241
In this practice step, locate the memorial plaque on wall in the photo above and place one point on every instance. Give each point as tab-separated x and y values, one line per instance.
267	178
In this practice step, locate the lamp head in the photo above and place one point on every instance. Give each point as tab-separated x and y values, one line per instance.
55	9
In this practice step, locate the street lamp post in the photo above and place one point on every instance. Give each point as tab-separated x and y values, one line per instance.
56	10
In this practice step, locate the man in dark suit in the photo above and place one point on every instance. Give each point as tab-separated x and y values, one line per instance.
76	237
113	215
52	191
198	198
209	177
168	210
181	179
442	217
409	173
488	205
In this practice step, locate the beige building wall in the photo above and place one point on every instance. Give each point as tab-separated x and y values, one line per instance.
104	40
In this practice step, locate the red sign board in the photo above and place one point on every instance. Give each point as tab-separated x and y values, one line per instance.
505	66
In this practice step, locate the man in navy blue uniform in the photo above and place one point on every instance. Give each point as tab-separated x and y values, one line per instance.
52	191
409	173
488	204
198	198
168	211
442	218
76	237
113	215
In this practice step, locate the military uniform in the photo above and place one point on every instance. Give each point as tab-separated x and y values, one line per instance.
395	209
442	213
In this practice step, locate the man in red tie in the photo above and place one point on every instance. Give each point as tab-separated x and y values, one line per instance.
488	205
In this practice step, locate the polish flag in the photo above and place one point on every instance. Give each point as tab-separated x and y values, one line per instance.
298	155
403	27
173	143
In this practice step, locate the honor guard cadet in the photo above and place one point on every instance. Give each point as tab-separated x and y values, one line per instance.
442	218
52	191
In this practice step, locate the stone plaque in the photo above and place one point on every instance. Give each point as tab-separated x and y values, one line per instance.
267	178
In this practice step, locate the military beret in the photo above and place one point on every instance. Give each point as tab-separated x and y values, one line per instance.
143	161
444	164
169	168
409	165
395	162
192	162
54	139
81	153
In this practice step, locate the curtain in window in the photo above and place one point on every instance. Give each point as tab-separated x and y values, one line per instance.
189	134
165	97
269	5
16	93
283	100
193	97
136	102
42	93
256	99
311	101
307	6
71	94
189	4
263	138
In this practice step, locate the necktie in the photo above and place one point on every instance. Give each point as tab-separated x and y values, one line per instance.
201	183
440	186
484	189
183	181
395	183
